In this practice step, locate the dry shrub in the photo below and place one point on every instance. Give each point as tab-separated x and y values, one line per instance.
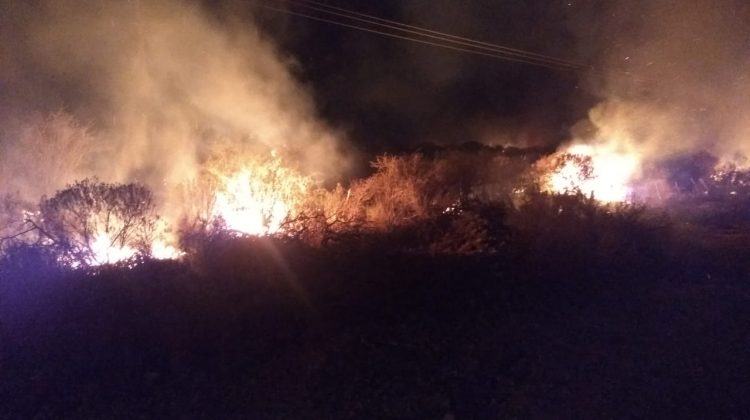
13	225
575	229
75	219
466	233
398	193
199	238
327	215
49	152
413	190
21	254
402	191
405	189
501	179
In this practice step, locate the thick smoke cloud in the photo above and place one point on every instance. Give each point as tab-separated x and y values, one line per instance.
672	75
162	85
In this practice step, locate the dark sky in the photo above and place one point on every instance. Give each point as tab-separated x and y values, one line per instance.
686	61
390	93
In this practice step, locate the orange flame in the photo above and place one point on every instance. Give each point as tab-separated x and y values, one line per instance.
258	198
608	178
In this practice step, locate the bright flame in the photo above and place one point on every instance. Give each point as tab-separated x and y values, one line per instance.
105	252
162	250
246	209
604	174
260	197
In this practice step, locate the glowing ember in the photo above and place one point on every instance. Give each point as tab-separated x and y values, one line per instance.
584	169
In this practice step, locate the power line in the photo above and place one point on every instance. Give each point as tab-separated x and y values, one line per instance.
496	51
429	33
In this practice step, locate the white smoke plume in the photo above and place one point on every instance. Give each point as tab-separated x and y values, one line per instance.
674	76
158	85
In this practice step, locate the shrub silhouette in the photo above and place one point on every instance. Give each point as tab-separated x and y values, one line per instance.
577	230
13	228
76	220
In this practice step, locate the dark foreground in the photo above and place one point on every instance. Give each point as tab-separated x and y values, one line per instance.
273	330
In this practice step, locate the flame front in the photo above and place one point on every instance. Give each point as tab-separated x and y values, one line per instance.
246	205
258	198
598	172
105	251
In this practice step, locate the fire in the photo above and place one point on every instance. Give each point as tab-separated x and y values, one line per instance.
254	197
162	250
603	174
258	198
106	252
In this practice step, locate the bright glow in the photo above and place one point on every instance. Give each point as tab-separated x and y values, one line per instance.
105	252
246	209
161	250
597	172
260	197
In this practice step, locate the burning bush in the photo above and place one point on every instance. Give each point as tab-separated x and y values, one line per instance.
91	223
598	172
251	195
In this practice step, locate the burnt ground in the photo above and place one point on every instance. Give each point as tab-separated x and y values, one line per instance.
273	330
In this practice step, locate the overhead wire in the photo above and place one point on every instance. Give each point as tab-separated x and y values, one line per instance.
429	33
449	41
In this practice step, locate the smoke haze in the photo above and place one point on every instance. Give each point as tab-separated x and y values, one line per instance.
162	84
673	76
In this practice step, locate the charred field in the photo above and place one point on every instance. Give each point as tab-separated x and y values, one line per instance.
566	309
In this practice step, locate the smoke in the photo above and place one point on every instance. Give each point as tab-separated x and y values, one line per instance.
163	85
674	76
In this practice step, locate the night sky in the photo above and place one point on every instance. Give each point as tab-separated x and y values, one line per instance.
389	93
686	61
